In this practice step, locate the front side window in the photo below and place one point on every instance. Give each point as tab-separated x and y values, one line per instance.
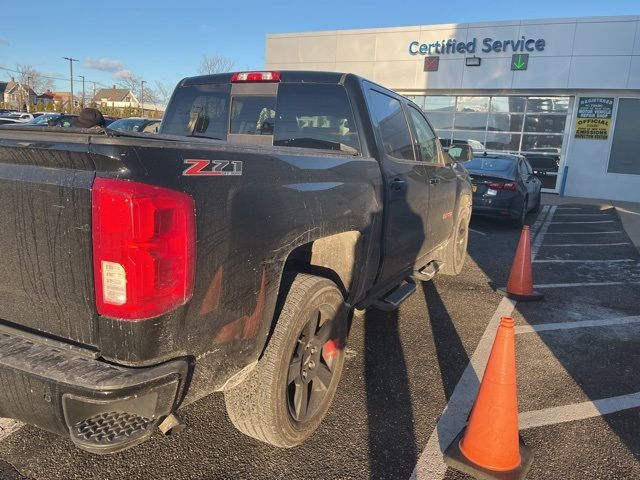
425	137
392	124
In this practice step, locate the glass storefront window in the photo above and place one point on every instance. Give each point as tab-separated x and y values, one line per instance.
534	126
545	123
547	104
505	122
472	104
477	135
470	121
509	142
417	99
440	119
508	104
533	143
439	104
445	134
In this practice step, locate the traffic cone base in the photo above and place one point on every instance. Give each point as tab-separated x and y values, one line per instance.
530	297
454	457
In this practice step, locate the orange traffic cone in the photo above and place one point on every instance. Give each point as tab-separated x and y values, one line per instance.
520	284
490	446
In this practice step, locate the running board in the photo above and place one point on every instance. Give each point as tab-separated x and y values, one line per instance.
427	272
398	295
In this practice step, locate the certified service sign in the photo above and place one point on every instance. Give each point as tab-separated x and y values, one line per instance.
594	118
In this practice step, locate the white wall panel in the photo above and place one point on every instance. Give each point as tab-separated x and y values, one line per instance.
599	72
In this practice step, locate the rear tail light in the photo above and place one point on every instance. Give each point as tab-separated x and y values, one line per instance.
255	77
509	186
143	248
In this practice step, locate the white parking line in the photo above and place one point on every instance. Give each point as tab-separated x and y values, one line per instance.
578	411
430	465
8	426
587	244
570	208
584	233
585	261
585	284
581	222
606	322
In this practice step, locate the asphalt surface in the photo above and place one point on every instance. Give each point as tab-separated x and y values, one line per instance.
402	367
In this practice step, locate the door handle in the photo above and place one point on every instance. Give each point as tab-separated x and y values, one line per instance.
397	183
434	181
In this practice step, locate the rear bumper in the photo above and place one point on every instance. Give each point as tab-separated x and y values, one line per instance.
496	206
103	408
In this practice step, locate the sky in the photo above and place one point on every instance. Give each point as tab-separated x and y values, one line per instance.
164	41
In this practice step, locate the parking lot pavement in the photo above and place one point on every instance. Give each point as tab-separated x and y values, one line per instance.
411	376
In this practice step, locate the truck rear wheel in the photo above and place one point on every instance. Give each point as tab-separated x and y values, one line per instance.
288	393
456	251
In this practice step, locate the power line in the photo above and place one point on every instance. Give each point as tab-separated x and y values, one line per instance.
62	79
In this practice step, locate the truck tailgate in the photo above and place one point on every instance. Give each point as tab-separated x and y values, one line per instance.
46	279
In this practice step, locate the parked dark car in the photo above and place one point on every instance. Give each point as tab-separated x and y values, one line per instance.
62	121
226	253
43	119
504	185
475	145
136	124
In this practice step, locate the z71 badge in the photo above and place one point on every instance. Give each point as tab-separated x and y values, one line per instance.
207	168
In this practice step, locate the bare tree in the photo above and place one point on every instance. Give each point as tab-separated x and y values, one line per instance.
215	64
29	75
164	90
133	82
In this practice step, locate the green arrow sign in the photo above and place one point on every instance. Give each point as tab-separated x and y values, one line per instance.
519	61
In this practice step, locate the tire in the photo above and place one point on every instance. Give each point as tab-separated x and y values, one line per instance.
268	404
521	220
456	251
536	209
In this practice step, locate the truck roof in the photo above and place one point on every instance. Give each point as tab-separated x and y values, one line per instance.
290	76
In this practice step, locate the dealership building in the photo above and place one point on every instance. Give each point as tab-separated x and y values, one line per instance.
564	92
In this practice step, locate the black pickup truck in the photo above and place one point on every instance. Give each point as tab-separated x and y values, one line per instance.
141	272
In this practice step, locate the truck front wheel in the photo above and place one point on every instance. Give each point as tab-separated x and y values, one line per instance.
288	393
456	251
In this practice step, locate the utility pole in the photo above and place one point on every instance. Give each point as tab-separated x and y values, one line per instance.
142	97
83	97
71	60
94	90
28	94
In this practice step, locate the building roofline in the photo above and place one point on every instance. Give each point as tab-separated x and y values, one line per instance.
449	26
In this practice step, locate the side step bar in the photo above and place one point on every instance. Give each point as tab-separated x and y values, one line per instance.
427	272
398	295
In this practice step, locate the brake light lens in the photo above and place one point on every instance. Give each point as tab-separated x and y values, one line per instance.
509	186
255	77
143	248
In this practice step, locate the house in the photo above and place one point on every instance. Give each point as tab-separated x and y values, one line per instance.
46	98
17	95
61	99
115	97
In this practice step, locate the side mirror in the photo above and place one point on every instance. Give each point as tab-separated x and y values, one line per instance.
461	153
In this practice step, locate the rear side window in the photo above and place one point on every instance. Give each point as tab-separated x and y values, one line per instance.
392	125
198	111
315	116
